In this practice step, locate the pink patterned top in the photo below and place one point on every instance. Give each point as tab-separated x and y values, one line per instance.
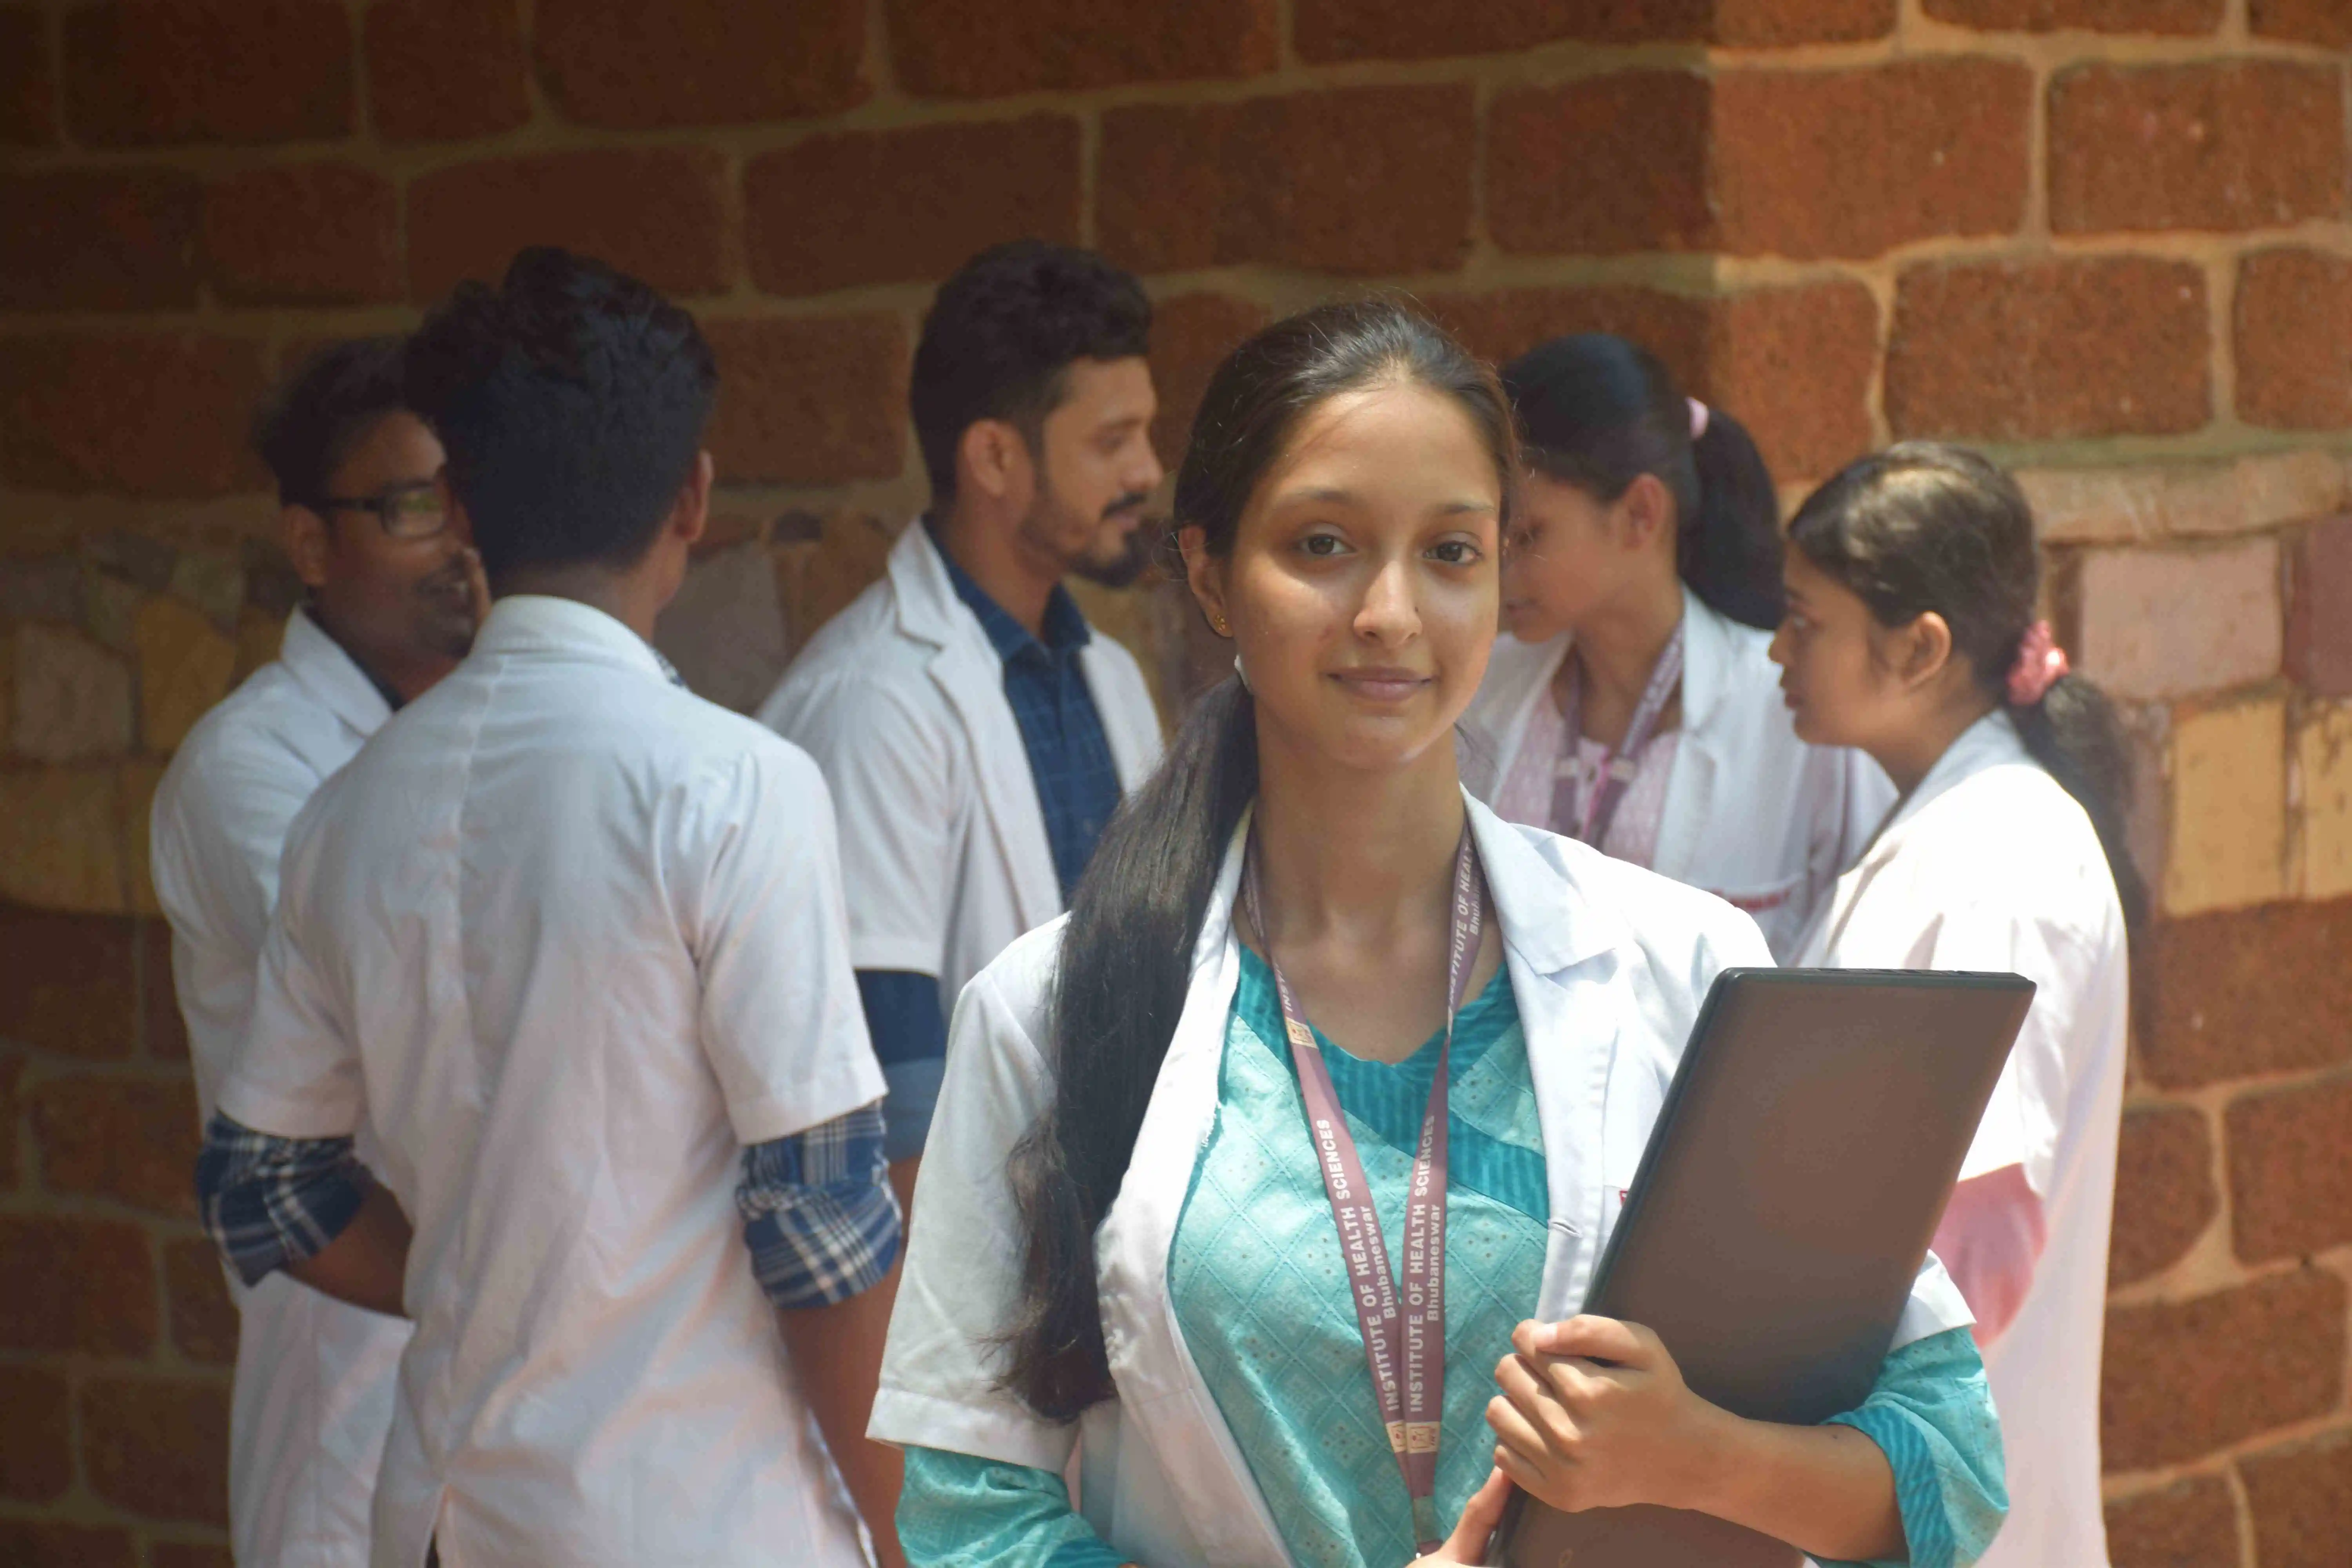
1526	794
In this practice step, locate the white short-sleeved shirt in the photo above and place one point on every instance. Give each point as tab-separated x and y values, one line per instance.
569	937
312	1399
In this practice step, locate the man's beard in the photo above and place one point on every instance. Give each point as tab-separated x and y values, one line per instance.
1116	567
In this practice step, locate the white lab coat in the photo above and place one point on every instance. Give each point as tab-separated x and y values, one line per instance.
1609	966
312	1398
900	699
570	938
1990	864
1752	814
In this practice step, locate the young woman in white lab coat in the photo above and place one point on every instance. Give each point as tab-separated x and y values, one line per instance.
1640	584
1130	1243
1911	633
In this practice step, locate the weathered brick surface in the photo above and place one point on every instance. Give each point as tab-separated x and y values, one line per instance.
162	1032
117	240
2324	766
2294	339
2251	144
2319	631
945	48
2226	841
2102	15
810	402
45	1543
131	1141
1776	24
208	70
2325	22
658	214
2184	1378
98	1285
187	1554
2190	1525
1602	166
36	1449
204	1319
2210	1006
303	234
441	71
814	223
2165	623
1357	179
71	697
2019	351
158	1447
2301	1500
2165	1195
1405	30
185	665
1794	366
61	838
28	93
2291	1170
159	415
1675	327
631	65
71	983
1191	334
11	1075
1855	163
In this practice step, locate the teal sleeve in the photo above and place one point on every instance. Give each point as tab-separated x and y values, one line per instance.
1931	1414
959	1511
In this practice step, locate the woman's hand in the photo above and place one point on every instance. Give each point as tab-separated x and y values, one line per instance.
1481	1517
1594	1413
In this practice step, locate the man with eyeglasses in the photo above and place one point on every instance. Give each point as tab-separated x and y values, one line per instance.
392	600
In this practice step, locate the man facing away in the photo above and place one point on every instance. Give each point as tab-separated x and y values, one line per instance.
571	939
388	611
976	732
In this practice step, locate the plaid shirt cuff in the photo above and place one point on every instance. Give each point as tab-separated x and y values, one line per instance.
269	1201
818	1213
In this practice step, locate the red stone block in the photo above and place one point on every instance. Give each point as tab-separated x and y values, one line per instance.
658	214
1504	324
12	1078
2318	629
2025	351
810	401
441	71
2192	1524
1191	336
2291	1170
42	1543
2165	1195
187	1554
150	414
2249	144
2294	339
163	1033
203	1318
303	234
132	1140
71	985
2096	15
117	240
28	93
2181	1379
1855	163
2327	22
948	48
158	1447
1602	166
2301	1499
1357	179
635	65
37	1445
1794	366
98	1285
813	223
2210	1005
1777	23
1328	30
145	75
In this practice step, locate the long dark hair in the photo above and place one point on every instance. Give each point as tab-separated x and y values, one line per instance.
1598	412
1127	952
1925	526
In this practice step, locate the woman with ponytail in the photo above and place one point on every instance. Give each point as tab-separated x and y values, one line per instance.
1911	633
1633	704
1305	979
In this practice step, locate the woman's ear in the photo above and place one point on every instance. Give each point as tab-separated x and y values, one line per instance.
1645	512
1925	652
1207	573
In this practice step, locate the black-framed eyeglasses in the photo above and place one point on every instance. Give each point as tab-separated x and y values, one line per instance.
416	510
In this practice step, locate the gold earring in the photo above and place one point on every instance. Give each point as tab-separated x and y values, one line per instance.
1224	627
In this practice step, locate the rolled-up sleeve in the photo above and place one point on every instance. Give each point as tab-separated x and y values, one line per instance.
819	1217
268	1202
1931	1414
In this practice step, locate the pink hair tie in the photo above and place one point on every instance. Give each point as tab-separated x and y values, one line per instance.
1699	417
2040	662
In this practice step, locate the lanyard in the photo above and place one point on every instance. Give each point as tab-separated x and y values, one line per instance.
1619	767
1405	1342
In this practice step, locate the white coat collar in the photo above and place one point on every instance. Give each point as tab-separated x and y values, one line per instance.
332	676
543	623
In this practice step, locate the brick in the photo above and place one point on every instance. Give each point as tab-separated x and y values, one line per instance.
98	1285
46	1544
1856	162
164	1034
2227	833
28	93
72	698
303	234
204	1319
144	75
211	580
113	240
2185	1378
60	841
135	783
2049	350
1355	180
2165	623
1794	366
2210	1005
1191	336
1777	23
47	588
1331	30
810	400
133	1141
185	665
187	1554
2324	776
725	628
138	558
2251	144
2246	495
2318	632
2294	339
824	564
2096	15
468	221
2190	1525
2165	1196
37	1453
636	65
146	415
12	1078
441	71
1604	166
2301	1500
2291	1170
158	1447
812	222
2323	22
947	48
1502	325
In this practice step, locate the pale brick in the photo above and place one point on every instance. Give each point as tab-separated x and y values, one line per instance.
135	783
2323	773
2228	839
72	698
2167	623
258	636
185	666
60	840
110	610
212	581
2104	506
725	630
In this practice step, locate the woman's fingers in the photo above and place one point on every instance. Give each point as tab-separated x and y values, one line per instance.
1512	1429
1481	1517
1597	1339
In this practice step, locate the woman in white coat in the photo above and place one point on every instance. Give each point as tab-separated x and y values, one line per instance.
1912	582
1309	989
1640	588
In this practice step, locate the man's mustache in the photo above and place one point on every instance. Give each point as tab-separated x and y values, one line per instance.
1133	502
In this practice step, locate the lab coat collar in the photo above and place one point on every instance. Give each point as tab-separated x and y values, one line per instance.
331	675
543	623
1990	742
1707	654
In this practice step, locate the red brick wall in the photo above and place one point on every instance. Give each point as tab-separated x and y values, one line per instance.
2107	238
